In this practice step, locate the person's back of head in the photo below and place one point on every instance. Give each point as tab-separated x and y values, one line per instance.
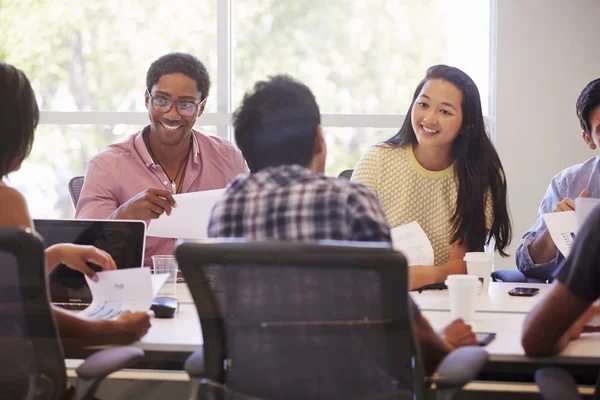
587	102
278	123
19	116
179	63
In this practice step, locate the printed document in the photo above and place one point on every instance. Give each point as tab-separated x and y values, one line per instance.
413	242
131	289
189	220
563	228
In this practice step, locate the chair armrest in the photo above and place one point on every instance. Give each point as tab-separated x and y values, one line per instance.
508	275
100	364
459	367
105	362
556	384
194	365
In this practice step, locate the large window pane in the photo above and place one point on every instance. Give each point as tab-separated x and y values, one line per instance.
84	55
346	145
359	56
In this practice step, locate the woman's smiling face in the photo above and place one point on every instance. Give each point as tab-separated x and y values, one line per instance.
436	115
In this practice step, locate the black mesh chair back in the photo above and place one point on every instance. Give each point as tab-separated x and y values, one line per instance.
31	356
75	186
287	320
346	174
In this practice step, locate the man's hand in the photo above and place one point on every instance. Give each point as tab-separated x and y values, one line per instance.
459	334
129	327
581	325
568	204
149	204
77	256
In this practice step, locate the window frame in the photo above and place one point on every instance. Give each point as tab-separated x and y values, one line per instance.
222	118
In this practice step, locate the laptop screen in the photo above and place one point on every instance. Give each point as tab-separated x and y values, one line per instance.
123	240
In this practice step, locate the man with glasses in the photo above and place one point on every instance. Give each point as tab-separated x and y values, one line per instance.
136	179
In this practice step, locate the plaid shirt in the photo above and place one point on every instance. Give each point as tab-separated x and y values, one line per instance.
292	203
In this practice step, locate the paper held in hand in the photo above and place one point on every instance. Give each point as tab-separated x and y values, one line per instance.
413	242
131	289
562	227
189	220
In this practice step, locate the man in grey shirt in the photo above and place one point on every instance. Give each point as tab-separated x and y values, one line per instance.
567	309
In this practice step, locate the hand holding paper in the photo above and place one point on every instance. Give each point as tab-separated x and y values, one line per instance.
562	227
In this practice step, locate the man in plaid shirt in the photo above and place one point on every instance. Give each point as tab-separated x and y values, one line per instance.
287	197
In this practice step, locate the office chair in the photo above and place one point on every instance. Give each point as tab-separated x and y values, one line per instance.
75	186
292	320
557	384
32	362
512	275
346	174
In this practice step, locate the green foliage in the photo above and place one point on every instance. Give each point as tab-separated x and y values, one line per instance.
358	56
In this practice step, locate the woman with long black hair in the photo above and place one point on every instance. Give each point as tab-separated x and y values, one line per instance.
442	171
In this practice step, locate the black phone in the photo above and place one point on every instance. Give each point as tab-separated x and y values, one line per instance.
484	337
523	291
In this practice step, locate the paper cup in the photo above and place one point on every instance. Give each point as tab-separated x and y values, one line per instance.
480	264
166	265
463	292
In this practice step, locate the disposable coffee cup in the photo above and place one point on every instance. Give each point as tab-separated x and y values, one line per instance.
480	265
463	292
166	265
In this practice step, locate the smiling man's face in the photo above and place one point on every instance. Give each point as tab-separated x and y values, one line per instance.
171	128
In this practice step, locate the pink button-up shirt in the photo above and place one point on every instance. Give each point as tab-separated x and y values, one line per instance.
122	170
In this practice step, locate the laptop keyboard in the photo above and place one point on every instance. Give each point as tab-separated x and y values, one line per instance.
72	306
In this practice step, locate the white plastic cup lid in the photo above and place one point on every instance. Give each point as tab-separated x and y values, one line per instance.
462	280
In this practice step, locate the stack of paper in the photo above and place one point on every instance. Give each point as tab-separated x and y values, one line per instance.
131	289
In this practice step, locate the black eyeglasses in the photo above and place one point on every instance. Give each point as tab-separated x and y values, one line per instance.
184	108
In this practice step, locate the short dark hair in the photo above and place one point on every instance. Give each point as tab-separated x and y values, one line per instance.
276	123
587	102
19	116
183	63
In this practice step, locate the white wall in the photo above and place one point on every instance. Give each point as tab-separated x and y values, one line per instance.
547	51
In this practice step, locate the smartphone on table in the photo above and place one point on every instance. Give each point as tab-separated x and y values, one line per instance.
523	291
484	337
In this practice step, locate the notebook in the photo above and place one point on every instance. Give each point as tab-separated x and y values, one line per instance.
124	240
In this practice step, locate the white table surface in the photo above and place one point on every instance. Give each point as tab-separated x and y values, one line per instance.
497	299
507	344
179	334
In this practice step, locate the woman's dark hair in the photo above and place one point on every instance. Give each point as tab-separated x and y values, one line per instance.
182	63
477	167
587	102
19	116
276	124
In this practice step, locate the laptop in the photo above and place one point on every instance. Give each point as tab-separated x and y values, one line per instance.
124	240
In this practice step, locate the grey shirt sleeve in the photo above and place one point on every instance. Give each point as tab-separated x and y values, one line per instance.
581	271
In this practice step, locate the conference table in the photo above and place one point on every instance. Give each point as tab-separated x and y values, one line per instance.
170	341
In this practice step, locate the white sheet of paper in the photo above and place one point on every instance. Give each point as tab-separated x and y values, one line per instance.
583	208
563	228
131	289
189	220
412	241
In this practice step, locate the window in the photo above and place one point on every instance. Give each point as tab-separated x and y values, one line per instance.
362	58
